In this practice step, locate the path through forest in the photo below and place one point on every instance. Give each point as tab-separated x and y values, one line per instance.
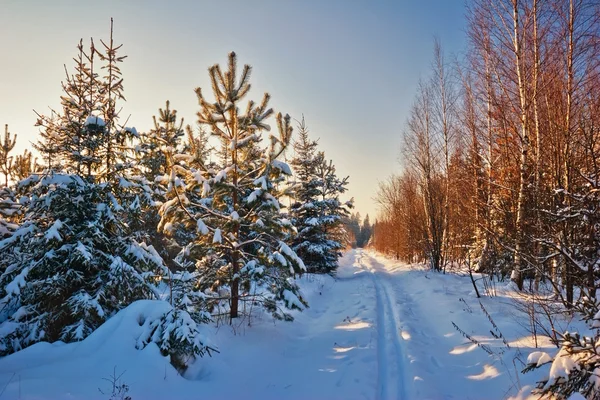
380	330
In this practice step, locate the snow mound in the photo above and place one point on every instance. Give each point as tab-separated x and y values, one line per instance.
77	367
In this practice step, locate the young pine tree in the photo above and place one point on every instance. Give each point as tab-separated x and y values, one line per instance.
154	155
6	147
24	165
75	261
230	214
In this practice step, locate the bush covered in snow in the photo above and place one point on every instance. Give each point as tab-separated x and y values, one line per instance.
575	368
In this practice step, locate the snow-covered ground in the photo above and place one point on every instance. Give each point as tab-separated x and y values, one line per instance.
381	330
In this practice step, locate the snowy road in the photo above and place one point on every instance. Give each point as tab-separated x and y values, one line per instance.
390	360
380	330
420	355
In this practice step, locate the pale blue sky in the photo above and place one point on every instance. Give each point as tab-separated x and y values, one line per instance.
350	66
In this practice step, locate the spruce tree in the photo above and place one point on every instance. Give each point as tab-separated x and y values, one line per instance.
70	264
317	211
231	212
162	139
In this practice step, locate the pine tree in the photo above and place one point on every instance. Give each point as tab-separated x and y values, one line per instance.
24	165
154	155
316	211
6	147
71	138
76	259
9	208
230	214
198	146
352	223
163	139
48	143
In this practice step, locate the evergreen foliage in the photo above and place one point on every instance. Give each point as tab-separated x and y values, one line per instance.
154	154
9	211
70	265
24	165
115	217
359	230
6	147
317	211
80	253
230	213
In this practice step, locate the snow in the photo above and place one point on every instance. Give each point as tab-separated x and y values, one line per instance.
222	174
253	196
81	249
282	166
205	188
52	232
539	358
217	237
285	249
132	130
14	287
562	366
312	221
201	227
262	182
93	120
380	329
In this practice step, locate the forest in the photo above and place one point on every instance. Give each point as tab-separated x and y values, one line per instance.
109	216
501	170
241	216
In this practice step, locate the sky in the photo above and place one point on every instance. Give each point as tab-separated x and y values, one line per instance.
351	67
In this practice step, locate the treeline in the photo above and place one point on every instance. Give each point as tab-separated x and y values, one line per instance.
501	152
359	230
190	215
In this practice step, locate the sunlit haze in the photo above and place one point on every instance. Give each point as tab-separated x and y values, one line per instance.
351	67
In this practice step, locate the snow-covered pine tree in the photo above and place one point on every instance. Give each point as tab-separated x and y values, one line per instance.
75	261
162	139
71	134
335	210
317	211
233	210
8	203
70	265
48	142
154	154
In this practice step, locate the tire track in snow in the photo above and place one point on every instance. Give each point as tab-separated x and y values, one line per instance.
391	383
